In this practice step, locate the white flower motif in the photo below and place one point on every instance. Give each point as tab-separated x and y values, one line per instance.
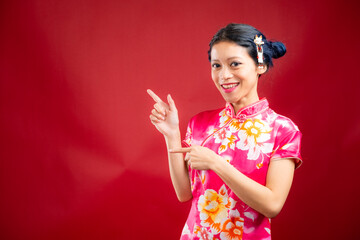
188	136
214	207
211	130
233	227
283	122
227	140
203	234
250	215
186	230
224	118
253	134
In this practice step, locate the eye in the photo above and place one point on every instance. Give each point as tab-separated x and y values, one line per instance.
215	65
235	64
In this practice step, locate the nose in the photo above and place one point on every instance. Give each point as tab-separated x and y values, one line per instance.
225	73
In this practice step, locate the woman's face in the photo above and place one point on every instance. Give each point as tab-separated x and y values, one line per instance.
235	74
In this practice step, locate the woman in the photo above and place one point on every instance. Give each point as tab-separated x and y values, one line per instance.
240	159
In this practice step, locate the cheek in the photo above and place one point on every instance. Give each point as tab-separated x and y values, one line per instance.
214	77
249	74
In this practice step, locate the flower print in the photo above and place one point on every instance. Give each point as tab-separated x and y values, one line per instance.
283	122
213	208
269	118
188	136
253	134
202	176
220	135
250	215
235	125
197	177
227	140
203	234
260	164
224	118
193	181
185	230
233	227
211	130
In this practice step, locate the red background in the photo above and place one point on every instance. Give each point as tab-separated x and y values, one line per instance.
79	157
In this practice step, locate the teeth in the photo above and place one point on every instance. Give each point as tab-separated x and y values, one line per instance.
230	86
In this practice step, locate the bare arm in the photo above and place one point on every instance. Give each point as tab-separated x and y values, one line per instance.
165	118
268	199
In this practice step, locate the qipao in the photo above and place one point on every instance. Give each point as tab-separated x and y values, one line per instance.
248	140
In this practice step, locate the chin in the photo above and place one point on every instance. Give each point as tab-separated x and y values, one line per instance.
231	99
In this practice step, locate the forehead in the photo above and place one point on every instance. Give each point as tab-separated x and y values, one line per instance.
225	49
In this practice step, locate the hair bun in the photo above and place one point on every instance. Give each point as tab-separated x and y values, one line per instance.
278	49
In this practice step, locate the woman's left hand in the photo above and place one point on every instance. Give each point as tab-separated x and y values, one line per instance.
198	157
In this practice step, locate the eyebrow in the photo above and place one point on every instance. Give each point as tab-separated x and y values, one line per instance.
227	58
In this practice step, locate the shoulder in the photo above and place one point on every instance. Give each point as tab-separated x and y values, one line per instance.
200	125
287	138
207	116
281	122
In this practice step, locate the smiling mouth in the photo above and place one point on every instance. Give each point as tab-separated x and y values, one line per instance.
229	86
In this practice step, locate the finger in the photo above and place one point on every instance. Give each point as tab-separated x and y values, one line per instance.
180	150
187	157
157	115
154	119
171	103
154	96
160	108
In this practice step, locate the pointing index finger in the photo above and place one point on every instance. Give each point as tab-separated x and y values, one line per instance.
154	96
180	150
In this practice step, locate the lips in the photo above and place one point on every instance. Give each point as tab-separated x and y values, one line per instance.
229	87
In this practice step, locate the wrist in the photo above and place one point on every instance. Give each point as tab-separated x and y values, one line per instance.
173	140
218	163
173	134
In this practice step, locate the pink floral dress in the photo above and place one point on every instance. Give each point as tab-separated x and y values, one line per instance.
248	140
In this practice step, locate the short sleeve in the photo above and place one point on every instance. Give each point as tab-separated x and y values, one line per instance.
288	143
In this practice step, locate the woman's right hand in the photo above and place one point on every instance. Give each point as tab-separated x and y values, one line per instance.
164	116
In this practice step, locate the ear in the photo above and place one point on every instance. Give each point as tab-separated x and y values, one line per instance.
261	69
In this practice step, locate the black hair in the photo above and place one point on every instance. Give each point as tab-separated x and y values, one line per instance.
244	35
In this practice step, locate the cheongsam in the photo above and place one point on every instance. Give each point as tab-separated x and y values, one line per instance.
248	140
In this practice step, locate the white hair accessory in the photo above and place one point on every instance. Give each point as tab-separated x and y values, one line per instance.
259	49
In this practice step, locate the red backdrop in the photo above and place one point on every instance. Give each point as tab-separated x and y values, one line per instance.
79	157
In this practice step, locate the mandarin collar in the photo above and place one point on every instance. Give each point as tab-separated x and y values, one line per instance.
248	111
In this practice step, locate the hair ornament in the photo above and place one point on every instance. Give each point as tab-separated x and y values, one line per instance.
259	49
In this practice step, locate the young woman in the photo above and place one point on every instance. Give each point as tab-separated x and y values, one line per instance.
240	160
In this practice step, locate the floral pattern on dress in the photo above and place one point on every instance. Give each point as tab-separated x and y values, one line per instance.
224	118
233	227
202	176
227	140
211	130
185	230
188	136
203	234
248	140
235	125
214	207
253	135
